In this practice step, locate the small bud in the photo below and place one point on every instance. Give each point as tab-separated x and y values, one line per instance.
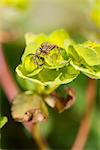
29	107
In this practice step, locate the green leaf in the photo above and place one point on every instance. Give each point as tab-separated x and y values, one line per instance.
86	58
58	37
88	53
28	64
30	50
92	72
72	53
56	59
32	38
51	77
32	73
28	83
3	121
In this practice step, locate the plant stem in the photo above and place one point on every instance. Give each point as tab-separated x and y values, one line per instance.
37	136
6	80
86	120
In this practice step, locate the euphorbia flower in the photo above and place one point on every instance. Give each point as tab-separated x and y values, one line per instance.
45	62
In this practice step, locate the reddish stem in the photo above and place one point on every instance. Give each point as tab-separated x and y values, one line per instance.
8	84
86	120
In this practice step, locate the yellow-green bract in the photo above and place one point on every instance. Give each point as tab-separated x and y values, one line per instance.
55	69
60	65
86	58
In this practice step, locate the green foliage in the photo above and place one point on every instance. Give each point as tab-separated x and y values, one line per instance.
3	121
88	58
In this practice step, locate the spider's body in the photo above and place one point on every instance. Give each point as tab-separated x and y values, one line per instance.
44	50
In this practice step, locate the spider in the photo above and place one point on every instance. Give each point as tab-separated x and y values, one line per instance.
44	50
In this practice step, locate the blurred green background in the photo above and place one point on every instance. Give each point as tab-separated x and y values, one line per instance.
45	16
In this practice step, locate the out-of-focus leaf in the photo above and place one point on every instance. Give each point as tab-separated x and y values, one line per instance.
3	121
19	4
95	14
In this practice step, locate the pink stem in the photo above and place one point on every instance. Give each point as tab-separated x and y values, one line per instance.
86	120
8	84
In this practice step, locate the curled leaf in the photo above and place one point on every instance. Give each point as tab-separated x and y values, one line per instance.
59	103
28	106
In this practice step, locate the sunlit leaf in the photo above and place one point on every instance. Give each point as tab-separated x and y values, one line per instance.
86	58
93	72
89	54
50	78
3	121
58	37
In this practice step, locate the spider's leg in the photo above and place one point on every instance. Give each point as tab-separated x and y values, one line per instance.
36	55
52	47
38	50
34	59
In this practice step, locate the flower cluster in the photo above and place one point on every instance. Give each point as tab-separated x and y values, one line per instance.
51	60
45	62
